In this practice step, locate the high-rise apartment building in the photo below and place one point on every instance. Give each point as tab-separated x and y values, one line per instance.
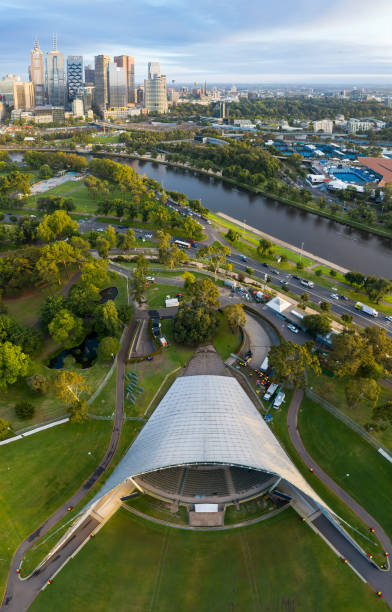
101	97
23	95
117	86
155	94
55	76
154	70
74	75
128	63
37	74
89	75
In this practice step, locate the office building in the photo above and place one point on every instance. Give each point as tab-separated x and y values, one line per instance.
74	75
140	94
101	97
37	73
128	64
86	94
117	86
89	75
58	115
155	94
23	95
55	76
7	88
154	70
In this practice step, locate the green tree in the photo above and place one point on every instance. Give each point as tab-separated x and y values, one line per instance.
38	383
24	410
377	288
346	318
325	306
189	279
111	236
316	324
383	413
359	390
69	386
78	412
5	429
193	229
291	362
138	281
108	348
107	322
193	326
14	364
66	329
128	240
103	247
215	255
355	278
51	306
56	226
45	172
264	247
232	235
94	274
205	294
235	316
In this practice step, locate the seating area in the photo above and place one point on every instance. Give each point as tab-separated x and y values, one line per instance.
244	480
204	482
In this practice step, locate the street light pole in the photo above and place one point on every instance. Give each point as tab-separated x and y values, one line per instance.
300	255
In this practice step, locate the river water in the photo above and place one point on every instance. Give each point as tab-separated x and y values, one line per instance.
348	247
335	242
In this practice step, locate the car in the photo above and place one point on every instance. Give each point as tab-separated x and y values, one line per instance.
179	296
151	279
194	245
292	328
334	296
295	277
243	258
265	265
343	297
388	318
283	282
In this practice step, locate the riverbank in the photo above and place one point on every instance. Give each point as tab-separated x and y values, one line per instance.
343	220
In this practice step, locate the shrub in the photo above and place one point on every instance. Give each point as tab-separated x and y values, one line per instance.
332	272
241	277
24	410
38	383
318	272
299	265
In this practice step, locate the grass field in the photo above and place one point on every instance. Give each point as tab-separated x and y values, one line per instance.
38	473
225	341
279	565
340	451
156	294
332	389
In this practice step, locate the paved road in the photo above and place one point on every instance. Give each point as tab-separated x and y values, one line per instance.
20	593
378	580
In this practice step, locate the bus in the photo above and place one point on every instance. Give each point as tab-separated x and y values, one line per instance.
182	245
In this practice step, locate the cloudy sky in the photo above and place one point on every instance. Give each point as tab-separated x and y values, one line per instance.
259	41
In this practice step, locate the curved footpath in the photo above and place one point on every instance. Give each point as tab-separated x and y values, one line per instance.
379	580
19	593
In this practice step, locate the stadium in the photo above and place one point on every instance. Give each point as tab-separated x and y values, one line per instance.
206	447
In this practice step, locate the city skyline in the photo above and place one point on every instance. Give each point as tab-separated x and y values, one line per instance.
345	41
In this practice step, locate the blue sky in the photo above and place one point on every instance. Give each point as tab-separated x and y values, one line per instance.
260	41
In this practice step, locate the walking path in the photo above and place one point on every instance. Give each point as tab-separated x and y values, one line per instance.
19	593
377	579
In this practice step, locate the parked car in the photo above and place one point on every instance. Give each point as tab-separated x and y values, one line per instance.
292	328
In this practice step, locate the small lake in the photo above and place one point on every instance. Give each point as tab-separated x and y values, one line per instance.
84	354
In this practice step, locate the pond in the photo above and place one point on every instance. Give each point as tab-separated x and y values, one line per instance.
84	354
110	293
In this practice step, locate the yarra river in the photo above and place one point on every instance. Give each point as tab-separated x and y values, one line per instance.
343	245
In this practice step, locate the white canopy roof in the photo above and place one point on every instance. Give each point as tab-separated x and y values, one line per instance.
206	420
278	304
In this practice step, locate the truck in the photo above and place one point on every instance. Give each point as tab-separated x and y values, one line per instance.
279	399
264	365
307	283
230	283
372	312
270	391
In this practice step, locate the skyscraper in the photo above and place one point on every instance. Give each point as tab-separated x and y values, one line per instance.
36	73
128	63
74	75
117	86
55	76
155	94
89	74
154	70
23	95
101	81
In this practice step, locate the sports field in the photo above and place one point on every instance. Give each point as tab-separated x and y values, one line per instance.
279	565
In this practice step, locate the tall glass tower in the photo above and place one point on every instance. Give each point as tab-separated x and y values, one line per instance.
55	76
37	75
117	85
74	75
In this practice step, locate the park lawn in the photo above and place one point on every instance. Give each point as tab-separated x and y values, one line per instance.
37	553
151	374
340	451
225	341
39	473
105	402
279	428
156	294
332	389
277	565
158	509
